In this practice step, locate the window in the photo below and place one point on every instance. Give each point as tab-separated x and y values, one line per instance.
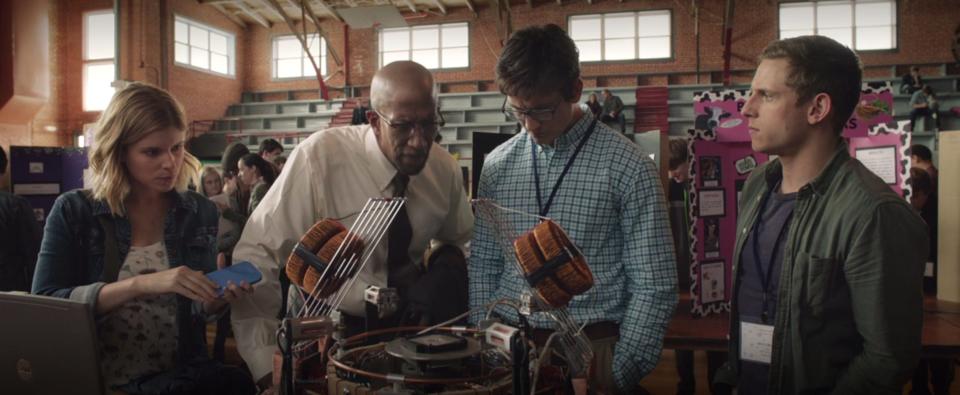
291	61
203	47
98	59
433	46
858	24
622	35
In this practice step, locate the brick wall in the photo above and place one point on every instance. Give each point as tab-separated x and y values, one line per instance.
925	30
755	24
205	95
146	28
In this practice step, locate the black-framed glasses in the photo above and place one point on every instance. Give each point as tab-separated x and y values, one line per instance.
537	114
429	128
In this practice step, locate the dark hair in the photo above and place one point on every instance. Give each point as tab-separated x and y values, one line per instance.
928	90
270	145
678	153
231	155
821	65
536	60
267	171
920	181
3	161
921	151
279	161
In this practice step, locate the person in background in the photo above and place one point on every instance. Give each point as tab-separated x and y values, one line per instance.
359	116
278	163
19	239
922	157
924	103
594	104
259	174
135	247
270	149
212	182
939	371
844	314
911	81
238	194
613	111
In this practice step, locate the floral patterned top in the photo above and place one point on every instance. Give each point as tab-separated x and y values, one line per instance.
140	337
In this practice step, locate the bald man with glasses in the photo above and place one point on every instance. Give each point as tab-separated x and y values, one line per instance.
331	175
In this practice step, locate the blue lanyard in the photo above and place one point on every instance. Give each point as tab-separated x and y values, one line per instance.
765	278
536	174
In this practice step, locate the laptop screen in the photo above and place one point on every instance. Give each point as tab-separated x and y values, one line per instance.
47	345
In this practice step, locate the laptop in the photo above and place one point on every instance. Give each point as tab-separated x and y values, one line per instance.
47	346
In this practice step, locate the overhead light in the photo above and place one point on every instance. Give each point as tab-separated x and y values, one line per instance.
50	128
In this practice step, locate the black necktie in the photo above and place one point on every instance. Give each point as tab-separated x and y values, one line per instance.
400	273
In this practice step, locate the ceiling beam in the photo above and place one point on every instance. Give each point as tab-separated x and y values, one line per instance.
231	16
275	11
327	9
470	5
443	8
410	5
252	14
303	41
316	22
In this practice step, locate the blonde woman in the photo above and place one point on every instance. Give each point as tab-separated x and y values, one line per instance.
136	247
212	182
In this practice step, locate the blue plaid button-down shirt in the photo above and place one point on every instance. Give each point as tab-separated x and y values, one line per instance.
612	206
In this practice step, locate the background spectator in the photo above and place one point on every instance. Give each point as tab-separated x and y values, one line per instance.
594	104
212	182
613	111
912	81
19	239
924	104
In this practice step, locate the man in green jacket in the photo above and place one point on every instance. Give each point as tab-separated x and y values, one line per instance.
828	259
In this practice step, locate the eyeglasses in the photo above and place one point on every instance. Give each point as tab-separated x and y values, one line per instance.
429	128
537	114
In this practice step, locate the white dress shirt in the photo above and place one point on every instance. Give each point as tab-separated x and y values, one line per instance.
331	174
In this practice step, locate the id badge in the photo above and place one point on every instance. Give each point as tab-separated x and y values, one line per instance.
756	342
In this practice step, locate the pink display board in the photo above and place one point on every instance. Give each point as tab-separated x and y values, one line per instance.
722	159
884	151
875	108
718	170
718	113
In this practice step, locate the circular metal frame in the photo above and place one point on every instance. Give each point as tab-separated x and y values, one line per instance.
413	380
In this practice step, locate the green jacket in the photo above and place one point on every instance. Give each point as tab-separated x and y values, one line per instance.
849	311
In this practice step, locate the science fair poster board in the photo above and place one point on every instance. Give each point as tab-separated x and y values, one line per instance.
718	172
722	159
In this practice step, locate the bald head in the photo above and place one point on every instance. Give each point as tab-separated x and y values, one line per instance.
404	114
402	84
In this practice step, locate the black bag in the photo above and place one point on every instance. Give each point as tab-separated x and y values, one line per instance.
201	377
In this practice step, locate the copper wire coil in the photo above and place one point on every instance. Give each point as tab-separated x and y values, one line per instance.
545	243
333	276
313	240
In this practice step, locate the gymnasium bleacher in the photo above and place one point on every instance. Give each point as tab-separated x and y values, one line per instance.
296	118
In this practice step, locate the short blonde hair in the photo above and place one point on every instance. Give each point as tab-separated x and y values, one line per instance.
208	170
133	113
